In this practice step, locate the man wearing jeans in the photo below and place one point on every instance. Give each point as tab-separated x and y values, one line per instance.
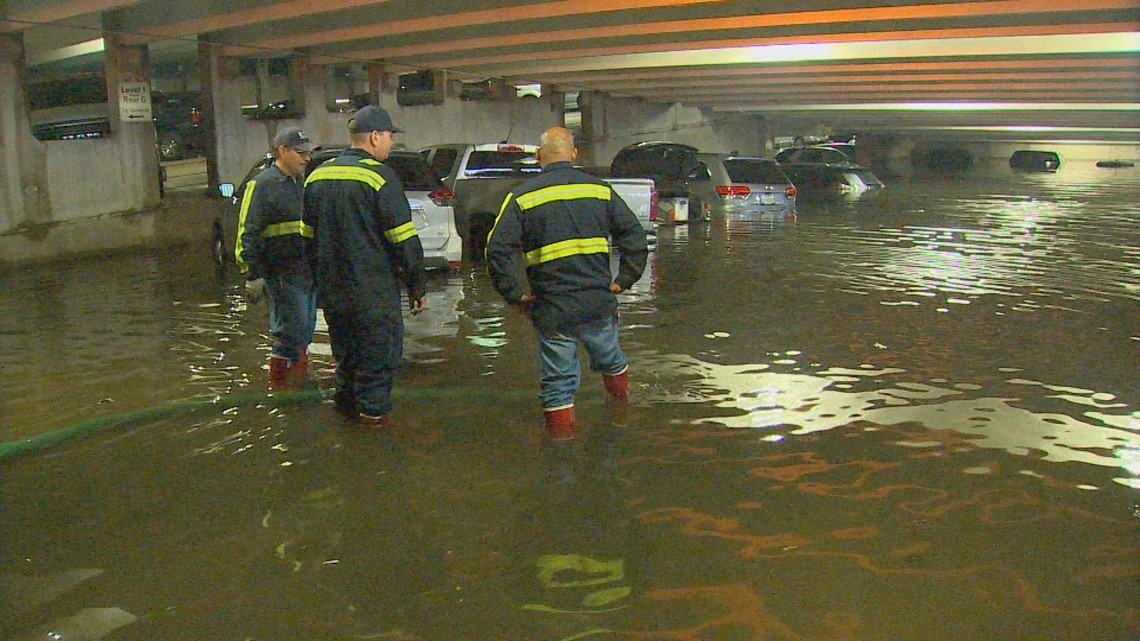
560	224
271	252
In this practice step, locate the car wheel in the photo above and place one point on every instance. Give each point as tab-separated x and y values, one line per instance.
171	146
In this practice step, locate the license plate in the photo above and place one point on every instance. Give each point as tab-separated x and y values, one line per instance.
767	199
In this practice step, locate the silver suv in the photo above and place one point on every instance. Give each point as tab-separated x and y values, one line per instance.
740	188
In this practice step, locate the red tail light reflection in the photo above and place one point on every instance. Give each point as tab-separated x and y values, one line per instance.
443	197
735	191
653	204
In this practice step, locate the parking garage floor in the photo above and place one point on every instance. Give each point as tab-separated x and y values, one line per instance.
909	417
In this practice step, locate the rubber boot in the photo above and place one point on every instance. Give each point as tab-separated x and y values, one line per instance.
560	424
278	372
617	385
298	373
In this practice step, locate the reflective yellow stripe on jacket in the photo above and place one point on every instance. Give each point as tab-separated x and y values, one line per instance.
291	227
397	235
562	249
573	246
345	172
562	192
374	180
246	199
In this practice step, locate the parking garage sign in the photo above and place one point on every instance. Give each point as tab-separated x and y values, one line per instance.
134	102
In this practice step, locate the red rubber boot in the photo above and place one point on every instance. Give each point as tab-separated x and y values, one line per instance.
560	424
279	372
617	385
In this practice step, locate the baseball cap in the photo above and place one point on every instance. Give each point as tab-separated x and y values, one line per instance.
371	118
293	137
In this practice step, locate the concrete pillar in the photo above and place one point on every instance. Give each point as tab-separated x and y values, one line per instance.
593	106
136	141
24	196
206	73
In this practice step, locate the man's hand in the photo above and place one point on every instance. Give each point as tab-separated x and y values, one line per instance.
522	305
615	288
417	305
254	290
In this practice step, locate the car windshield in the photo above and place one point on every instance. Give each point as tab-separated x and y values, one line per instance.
414	173
753	171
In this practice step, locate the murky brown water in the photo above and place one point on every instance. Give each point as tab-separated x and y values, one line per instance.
916	417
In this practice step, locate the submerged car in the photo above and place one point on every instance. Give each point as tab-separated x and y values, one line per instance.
740	188
827	181
822	171
433	207
1032	160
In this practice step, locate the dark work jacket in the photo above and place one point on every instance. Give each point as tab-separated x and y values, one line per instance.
364	235
559	226
271	236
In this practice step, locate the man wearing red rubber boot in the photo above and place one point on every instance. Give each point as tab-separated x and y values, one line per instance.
559	224
271	251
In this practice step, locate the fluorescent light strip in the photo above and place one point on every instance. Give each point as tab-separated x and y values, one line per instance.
63	53
1121	42
957	106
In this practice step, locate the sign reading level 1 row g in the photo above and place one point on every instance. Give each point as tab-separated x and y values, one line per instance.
134	102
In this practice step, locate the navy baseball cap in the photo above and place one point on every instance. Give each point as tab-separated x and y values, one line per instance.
293	137
371	118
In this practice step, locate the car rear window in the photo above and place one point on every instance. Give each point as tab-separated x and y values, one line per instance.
497	160
756	172
416	174
869	179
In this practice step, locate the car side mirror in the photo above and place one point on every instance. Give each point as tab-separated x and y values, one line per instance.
226	190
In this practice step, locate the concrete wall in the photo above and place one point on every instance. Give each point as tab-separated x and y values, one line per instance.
53	190
612	123
243	140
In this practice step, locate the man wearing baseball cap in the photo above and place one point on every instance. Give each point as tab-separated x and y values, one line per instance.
271	252
365	239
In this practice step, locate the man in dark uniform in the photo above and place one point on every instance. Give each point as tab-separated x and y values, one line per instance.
560	224
270	251
364	237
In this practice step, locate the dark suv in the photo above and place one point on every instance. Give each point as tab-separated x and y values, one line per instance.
669	164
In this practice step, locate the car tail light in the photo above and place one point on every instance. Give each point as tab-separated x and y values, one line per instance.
734	191
443	197
653	204
790	192
507	147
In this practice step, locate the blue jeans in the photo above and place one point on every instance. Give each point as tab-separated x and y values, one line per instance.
558	351
292	312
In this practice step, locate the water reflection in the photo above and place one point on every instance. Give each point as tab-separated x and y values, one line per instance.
782	404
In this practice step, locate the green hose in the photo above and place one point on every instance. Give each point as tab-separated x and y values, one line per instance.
190	405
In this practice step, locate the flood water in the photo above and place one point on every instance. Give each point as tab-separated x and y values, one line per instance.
913	417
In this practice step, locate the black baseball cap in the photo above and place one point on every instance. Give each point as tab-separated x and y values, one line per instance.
371	118
293	137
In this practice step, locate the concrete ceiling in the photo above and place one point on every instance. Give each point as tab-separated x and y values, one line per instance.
1050	69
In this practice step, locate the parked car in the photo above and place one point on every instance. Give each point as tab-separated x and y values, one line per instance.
814	154
728	187
824	180
179	125
669	165
433	207
1030	160
481	176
